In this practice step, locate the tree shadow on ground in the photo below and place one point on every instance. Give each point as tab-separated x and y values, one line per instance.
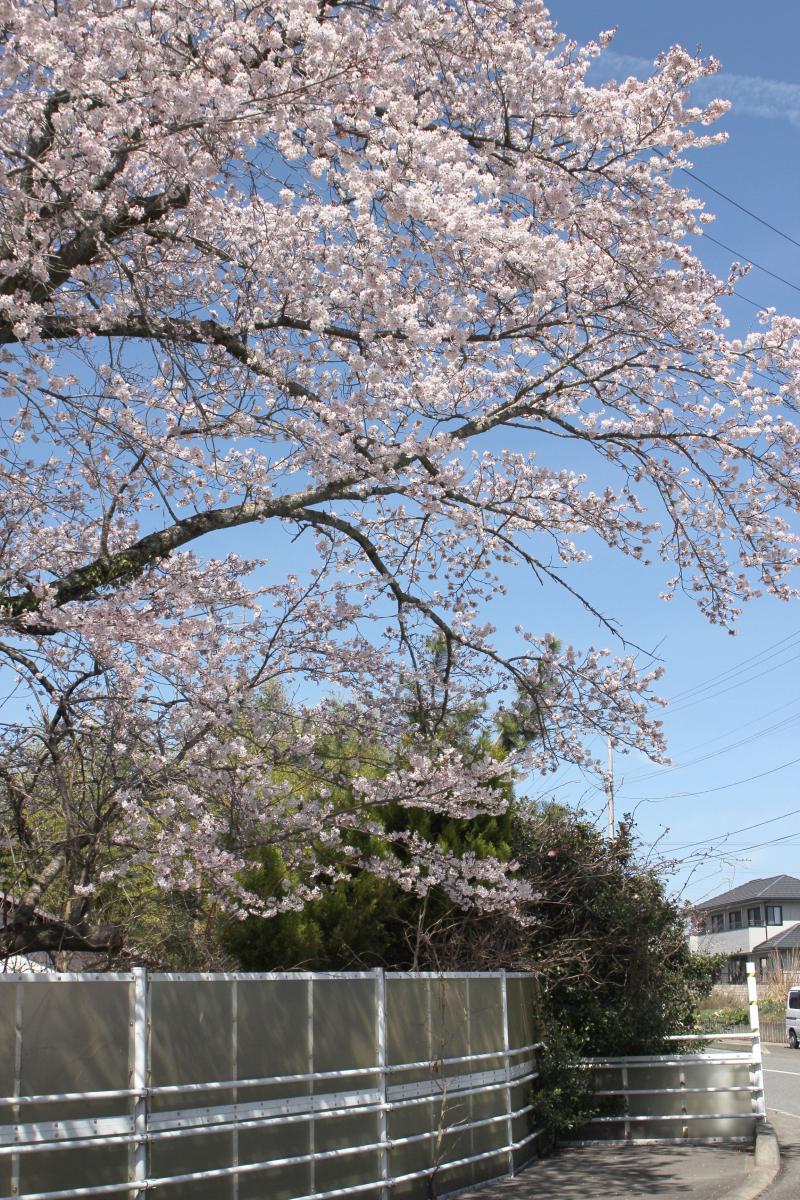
590	1172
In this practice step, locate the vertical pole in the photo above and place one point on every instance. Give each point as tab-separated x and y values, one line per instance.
682	1085
380	1041
626	1104
139	1083
756	1067
312	1174
469	1099
507	1069
432	1056
15	1163
235	1075
610	790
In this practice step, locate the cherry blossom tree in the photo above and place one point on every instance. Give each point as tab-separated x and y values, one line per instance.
390	279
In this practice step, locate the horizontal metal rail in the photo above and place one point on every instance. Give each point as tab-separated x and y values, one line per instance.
53	1097
241	976
713	1037
250	1168
667	1060
66	977
674	1091
728	1140
106	1131
268	1080
318	976
629	1118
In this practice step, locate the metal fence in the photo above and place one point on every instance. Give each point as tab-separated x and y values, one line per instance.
716	1095
235	1087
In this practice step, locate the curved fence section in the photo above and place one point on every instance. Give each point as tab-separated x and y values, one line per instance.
240	1086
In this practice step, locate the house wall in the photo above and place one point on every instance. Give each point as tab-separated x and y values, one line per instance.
742	941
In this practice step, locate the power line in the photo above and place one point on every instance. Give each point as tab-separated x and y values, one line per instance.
759	267
719	736
712	695
693	762
754	303
760	655
756	845
720	788
731	833
718	192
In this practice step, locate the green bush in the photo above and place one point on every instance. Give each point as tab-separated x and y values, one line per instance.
720	1020
564	1096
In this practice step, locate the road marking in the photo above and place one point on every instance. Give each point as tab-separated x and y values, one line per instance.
775	1071
783	1113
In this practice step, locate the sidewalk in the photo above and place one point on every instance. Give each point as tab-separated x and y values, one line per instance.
618	1172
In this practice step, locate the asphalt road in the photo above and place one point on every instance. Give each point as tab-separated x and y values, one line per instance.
782	1081
782	1088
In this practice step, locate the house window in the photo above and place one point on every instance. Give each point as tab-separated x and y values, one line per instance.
735	919
736	970
716	923
754	916
774	915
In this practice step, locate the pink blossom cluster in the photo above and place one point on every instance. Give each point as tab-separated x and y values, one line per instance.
397	279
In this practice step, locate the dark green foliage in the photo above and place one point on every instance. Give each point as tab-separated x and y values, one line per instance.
609	944
564	1095
363	921
346	927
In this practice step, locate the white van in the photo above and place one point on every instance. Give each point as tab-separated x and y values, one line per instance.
793	1018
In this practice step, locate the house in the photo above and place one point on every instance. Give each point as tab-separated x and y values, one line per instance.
756	922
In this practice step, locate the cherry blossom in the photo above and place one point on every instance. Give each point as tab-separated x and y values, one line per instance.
395	279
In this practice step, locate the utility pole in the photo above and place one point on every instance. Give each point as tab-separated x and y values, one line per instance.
610	790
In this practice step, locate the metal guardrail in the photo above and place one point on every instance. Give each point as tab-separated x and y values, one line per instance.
436	1114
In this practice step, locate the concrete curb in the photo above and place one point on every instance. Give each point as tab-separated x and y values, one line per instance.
766	1165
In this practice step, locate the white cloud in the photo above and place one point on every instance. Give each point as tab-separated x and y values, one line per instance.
750	95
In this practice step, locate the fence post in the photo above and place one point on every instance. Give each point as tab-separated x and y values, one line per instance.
507	1070
380	1039
139	1082
756	1067
312	1131
235	1093
16	1115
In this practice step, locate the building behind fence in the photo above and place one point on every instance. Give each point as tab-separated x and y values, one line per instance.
236	1087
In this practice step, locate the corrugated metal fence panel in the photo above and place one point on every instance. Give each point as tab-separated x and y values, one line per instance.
303	1085
694	1097
773	1031
523	1031
215	1031
73	1036
452	1017
277	1033
218	1059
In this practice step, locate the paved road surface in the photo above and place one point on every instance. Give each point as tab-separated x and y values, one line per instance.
782	1087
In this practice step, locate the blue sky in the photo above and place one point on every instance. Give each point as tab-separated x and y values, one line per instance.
744	725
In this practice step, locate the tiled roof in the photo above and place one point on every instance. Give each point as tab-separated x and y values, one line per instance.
787	939
775	887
